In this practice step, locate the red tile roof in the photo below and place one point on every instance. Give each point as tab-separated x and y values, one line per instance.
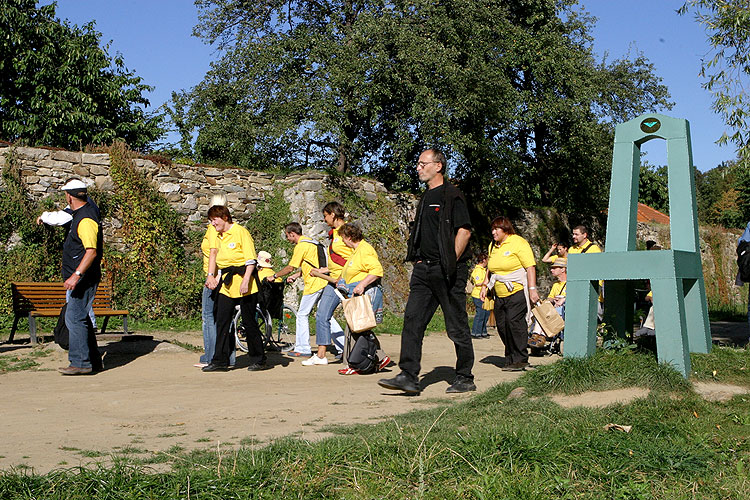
648	214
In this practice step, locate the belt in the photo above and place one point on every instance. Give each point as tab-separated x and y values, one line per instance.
429	262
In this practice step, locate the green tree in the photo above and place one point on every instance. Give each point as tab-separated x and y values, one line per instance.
510	89
727	68
58	87
652	187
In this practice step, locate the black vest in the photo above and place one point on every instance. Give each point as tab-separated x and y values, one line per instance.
73	248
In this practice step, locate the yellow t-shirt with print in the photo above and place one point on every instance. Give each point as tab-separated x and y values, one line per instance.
338	246
558	288
477	278
209	242
304	256
363	261
88	230
236	248
513	254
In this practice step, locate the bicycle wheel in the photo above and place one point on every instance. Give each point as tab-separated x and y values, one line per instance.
285	330
238	331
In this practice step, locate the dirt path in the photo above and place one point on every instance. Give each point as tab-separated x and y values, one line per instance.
151	400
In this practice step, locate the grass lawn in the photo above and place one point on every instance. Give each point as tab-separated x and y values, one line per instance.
680	446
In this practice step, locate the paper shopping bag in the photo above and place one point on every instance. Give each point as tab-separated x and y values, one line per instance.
550	321
359	314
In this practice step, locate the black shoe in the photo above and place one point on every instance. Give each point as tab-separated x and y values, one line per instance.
461	384
518	366
256	367
215	368
400	382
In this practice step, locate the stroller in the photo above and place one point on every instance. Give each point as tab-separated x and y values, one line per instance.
547	331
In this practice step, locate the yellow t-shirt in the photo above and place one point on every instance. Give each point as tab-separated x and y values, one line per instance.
305	254
265	272
477	278
209	242
594	249
513	254
363	261
338	246
558	288
236	248
579	248
88	230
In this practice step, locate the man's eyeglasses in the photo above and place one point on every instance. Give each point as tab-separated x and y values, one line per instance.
423	164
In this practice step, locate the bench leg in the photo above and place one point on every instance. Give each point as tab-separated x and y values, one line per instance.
125	325
104	325
32	329
13	329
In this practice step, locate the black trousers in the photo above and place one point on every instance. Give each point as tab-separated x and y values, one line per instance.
428	288
510	318
225	342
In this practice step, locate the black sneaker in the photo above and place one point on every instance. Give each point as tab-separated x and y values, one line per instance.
518	366
215	368
401	382
461	384
256	367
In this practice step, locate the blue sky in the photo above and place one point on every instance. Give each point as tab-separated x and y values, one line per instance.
154	37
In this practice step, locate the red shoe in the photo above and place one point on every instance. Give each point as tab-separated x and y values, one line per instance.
348	371
383	363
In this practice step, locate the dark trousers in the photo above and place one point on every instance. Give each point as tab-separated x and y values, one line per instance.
510	319
224	341
428	288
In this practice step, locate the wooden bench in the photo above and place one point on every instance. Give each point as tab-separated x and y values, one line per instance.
46	299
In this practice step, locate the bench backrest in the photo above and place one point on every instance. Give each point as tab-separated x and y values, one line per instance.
30	296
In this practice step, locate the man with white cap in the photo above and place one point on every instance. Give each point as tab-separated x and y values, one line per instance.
81	272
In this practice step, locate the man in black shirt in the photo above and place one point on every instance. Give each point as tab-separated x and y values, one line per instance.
437	246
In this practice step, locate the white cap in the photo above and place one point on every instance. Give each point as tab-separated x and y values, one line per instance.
264	259
218	199
74	185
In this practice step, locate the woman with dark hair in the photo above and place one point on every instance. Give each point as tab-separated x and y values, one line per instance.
327	329
479	326
237	259
512	273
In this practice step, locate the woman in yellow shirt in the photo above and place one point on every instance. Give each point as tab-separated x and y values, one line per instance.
327	329
512	272
479	326
237	259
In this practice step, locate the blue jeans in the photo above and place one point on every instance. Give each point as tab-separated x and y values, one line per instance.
479	326
326	325
91	311
83	352
209	328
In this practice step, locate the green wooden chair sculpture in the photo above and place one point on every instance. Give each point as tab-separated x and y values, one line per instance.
679	294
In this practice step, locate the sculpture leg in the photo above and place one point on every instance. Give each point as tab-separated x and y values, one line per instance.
580	318
671	327
699	329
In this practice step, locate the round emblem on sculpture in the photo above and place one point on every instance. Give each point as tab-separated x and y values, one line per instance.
650	125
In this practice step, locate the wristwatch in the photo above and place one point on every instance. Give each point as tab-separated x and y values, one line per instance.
79	273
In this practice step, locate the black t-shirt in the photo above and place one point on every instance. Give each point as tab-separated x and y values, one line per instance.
430	222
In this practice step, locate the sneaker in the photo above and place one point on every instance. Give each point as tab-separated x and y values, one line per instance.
315	360
74	370
296	354
518	366
348	371
401	382
200	365
384	362
256	367
461	384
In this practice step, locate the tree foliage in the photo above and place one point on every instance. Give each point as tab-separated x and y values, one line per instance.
510	89
727	68
653	189
723	195
58	87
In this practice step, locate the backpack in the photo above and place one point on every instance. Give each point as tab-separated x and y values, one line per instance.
270	295
363	357
743	260
61	333
322	254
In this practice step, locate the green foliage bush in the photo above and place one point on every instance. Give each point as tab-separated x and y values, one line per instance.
266	226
